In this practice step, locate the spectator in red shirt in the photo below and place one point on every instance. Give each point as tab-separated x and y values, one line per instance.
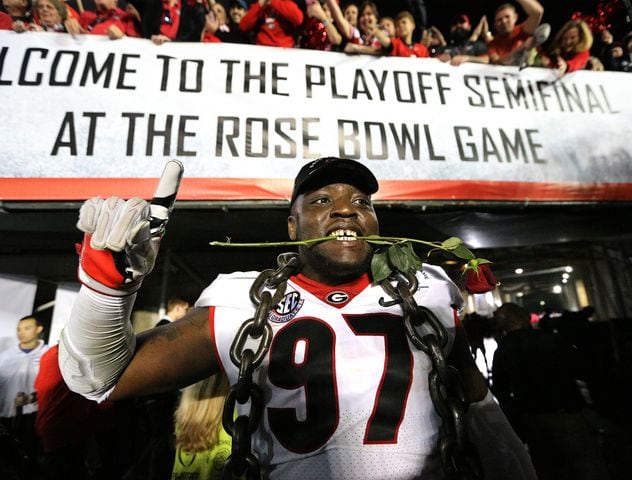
219	27
211	27
509	36
402	45
274	22
570	49
169	22
20	13
109	20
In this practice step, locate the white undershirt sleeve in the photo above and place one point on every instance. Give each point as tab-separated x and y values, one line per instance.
97	343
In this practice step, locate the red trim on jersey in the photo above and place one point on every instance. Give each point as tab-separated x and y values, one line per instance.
457	320
321	290
211	324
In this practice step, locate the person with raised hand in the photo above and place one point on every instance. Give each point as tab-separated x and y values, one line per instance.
334	373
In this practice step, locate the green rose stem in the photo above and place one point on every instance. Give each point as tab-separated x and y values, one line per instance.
395	253
376	239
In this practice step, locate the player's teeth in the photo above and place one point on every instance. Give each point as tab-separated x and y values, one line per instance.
344	234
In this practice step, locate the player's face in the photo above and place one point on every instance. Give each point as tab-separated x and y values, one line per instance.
344	211
15	7
505	21
368	18
388	26
220	13
48	13
405	27
28	330
236	13
351	14
570	39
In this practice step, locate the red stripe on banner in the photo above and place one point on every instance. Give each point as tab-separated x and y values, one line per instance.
227	189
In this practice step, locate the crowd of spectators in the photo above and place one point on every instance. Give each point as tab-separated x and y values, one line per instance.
333	25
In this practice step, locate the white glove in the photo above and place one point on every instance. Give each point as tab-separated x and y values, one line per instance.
123	237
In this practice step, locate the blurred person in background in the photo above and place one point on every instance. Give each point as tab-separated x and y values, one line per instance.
616	56
570	48
110	20
219	27
402	44
350	13
387	24
20	362
360	39
512	39
202	444
176	309
534	378
51	15
20	13
319	31
465	45
274	23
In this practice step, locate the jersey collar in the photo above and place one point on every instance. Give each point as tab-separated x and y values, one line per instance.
335	295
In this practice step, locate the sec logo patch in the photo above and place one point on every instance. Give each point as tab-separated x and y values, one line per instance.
287	308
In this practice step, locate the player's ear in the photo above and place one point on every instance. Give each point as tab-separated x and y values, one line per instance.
291	227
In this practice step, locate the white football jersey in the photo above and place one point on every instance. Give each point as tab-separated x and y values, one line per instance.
346	393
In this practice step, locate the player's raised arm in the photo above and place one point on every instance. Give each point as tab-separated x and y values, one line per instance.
99	354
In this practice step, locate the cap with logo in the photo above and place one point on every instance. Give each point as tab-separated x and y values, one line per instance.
328	170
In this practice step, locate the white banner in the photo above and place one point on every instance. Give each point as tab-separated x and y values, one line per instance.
65	296
85	107
17	294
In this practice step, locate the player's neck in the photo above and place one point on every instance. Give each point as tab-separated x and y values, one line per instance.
29	345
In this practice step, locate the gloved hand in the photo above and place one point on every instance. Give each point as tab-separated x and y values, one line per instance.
122	238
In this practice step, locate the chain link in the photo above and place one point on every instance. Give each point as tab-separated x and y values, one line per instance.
257	333
459	458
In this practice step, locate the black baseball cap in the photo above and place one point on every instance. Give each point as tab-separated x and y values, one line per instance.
328	170
460	18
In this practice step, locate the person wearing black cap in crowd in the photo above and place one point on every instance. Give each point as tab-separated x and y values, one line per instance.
339	390
465	45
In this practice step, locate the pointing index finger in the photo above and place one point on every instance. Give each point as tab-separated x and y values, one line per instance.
165	196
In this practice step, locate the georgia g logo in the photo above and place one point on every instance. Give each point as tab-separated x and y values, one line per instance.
336	298
287	308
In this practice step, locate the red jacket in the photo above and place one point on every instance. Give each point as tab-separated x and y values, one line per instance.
401	49
6	22
64	417
97	23
276	24
170	19
576	61
209	37
506	44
